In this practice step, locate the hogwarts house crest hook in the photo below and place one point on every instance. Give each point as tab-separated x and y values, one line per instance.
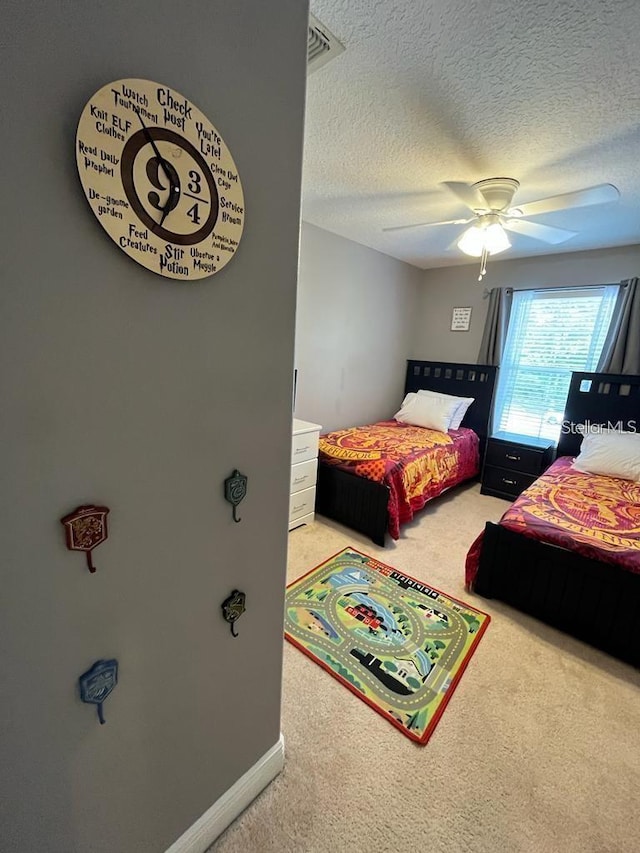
98	682
235	490
85	529
233	608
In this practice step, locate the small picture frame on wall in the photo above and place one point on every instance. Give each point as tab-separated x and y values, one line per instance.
460	319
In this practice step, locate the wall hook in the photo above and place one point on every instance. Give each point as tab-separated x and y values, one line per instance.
233	608
98	682
235	490
85	529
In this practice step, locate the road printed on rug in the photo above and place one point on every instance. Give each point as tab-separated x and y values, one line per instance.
396	642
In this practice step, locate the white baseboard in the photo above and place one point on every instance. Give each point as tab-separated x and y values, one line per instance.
224	811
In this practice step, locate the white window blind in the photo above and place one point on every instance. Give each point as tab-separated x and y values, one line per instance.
550	334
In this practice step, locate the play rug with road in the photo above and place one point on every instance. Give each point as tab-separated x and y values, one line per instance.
395	642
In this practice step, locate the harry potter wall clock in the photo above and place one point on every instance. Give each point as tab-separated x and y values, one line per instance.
160	179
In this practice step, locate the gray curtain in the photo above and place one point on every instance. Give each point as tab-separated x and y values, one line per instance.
495	327
621	351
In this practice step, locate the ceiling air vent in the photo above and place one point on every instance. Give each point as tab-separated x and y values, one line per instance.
322	45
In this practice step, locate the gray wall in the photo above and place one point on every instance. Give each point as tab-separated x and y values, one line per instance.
142	393
446	288
353	330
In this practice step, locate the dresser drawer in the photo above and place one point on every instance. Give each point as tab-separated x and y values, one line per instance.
303	475
505	483
304	446
515	457
302	503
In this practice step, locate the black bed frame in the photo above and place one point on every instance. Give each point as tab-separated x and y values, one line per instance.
362	504
594	601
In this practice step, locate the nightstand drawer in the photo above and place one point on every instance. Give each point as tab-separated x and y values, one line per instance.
304	446
515	457
505	483
303	475
302	503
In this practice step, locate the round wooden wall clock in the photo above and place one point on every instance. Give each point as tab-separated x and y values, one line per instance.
160	179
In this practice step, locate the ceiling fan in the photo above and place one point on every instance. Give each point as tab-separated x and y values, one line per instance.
493	215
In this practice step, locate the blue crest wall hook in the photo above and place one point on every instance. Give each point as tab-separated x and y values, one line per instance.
235	490
98	682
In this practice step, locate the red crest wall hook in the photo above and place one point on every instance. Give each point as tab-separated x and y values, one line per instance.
86	528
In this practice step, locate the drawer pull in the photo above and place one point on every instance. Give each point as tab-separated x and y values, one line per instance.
302	449
298	508
509	482
513	458
299	480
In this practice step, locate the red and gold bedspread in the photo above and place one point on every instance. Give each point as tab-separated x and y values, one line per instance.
596	516
416	463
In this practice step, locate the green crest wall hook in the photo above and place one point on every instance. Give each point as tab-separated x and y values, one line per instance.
233	608
235	490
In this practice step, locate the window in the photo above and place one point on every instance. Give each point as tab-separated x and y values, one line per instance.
551	333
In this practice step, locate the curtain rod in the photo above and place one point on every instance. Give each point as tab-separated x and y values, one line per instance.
486	291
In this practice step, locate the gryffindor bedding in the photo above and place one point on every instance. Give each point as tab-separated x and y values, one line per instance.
416	463
594	515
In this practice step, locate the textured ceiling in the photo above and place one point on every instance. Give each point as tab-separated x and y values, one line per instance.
460	90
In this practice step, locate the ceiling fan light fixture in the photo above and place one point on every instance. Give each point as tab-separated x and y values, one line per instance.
482	238
490	202
472	241
496	239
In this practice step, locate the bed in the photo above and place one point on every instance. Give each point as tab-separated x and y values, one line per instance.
568	550
350	496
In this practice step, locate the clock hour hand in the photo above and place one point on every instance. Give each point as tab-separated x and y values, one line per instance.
174	189
172	201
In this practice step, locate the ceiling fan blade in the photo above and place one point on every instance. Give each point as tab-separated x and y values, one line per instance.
467	194
539	232
430	224
581	198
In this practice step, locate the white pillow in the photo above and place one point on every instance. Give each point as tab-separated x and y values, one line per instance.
459	413
431	412
615	454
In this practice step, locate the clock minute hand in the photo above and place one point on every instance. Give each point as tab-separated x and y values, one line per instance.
152	142
173	188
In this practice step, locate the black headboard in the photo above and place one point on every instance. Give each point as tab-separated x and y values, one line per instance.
461	380
599	399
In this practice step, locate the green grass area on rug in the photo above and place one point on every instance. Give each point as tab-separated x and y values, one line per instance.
401	646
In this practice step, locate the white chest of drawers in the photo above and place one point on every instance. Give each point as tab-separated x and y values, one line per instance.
304	469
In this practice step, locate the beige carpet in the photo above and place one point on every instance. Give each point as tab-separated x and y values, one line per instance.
538	749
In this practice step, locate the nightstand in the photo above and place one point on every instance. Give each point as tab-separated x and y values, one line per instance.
304	469
511	464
